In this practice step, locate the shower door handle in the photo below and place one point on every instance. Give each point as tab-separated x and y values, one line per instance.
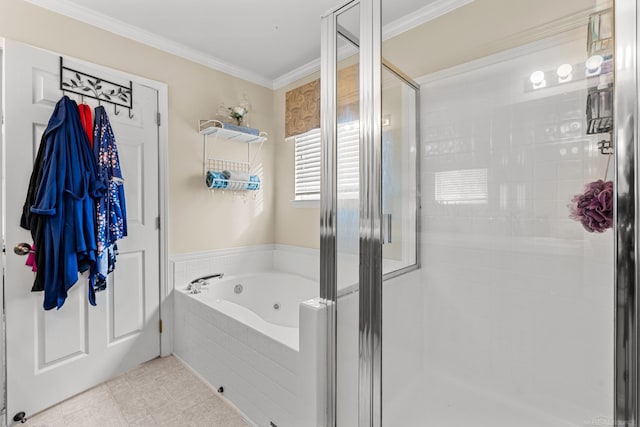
386	228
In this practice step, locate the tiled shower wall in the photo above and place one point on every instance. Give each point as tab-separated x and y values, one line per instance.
517	296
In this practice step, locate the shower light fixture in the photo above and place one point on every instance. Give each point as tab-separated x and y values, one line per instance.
564	72
593	64
537	79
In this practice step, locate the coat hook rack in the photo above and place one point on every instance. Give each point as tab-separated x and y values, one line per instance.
90	86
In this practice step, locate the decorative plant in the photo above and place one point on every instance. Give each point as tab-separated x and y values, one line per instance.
594	207
238	113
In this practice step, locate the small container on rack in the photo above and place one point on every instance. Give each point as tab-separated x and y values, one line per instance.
227	174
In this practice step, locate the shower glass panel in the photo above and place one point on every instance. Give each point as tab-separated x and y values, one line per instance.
510	319
398	199
399	174
347	151
347	213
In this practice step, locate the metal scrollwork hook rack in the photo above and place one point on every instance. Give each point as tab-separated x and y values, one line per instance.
89	86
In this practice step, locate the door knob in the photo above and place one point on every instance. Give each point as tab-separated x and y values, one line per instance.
22	249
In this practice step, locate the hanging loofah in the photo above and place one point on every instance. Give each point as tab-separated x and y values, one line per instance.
594	207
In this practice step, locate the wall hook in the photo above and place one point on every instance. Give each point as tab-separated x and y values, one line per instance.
89	86
131	114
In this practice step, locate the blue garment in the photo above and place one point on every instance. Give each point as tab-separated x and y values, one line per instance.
65	203
111	212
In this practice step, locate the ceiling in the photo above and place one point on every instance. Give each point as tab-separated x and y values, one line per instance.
271	43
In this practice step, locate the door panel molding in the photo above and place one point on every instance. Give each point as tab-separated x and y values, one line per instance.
48	354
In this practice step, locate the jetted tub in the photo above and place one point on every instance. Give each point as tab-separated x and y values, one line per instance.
268	302
241	333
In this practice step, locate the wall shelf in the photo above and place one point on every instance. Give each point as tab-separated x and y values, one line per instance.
215	167
217	128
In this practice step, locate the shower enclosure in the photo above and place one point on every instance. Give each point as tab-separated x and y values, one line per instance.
478	210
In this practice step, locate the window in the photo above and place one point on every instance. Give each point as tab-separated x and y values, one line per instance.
308	153
465	186
307	163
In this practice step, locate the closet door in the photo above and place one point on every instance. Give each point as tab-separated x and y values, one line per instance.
52	355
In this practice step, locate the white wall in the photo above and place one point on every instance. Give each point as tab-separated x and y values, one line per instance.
517	296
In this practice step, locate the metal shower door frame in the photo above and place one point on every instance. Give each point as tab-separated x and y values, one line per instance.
627	208
370	271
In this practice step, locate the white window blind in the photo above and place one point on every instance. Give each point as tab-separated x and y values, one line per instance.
348	160
307	163
466	186
307	152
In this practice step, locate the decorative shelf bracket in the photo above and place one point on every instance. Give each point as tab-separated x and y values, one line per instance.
227	174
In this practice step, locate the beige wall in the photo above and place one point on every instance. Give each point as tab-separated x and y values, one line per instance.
479	29
199	220
293	225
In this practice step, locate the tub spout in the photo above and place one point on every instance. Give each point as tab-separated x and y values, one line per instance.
202	280
195	285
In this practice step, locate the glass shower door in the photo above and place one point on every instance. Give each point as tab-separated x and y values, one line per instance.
518	307
510	320
340	206
356	251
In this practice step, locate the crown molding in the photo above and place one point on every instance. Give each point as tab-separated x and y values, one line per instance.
508	54
296	74
102	21
425	14
526	42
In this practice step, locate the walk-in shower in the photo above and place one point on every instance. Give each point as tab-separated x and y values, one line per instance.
480	267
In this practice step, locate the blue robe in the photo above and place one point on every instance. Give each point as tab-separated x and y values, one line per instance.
65	202
111	211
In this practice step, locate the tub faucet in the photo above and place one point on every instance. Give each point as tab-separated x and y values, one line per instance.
210	276
195	284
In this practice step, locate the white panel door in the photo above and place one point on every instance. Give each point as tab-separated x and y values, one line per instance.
52	355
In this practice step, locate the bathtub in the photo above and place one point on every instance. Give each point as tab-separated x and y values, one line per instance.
267	302
241	333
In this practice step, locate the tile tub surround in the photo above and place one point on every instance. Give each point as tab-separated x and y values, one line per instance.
224	351
287	259
161	392
260	375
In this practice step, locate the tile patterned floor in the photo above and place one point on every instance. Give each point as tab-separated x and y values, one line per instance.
161	392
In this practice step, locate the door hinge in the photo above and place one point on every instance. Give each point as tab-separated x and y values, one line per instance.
158	119
158	223
160	326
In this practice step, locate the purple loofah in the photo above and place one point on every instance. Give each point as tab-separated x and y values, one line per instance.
594	208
